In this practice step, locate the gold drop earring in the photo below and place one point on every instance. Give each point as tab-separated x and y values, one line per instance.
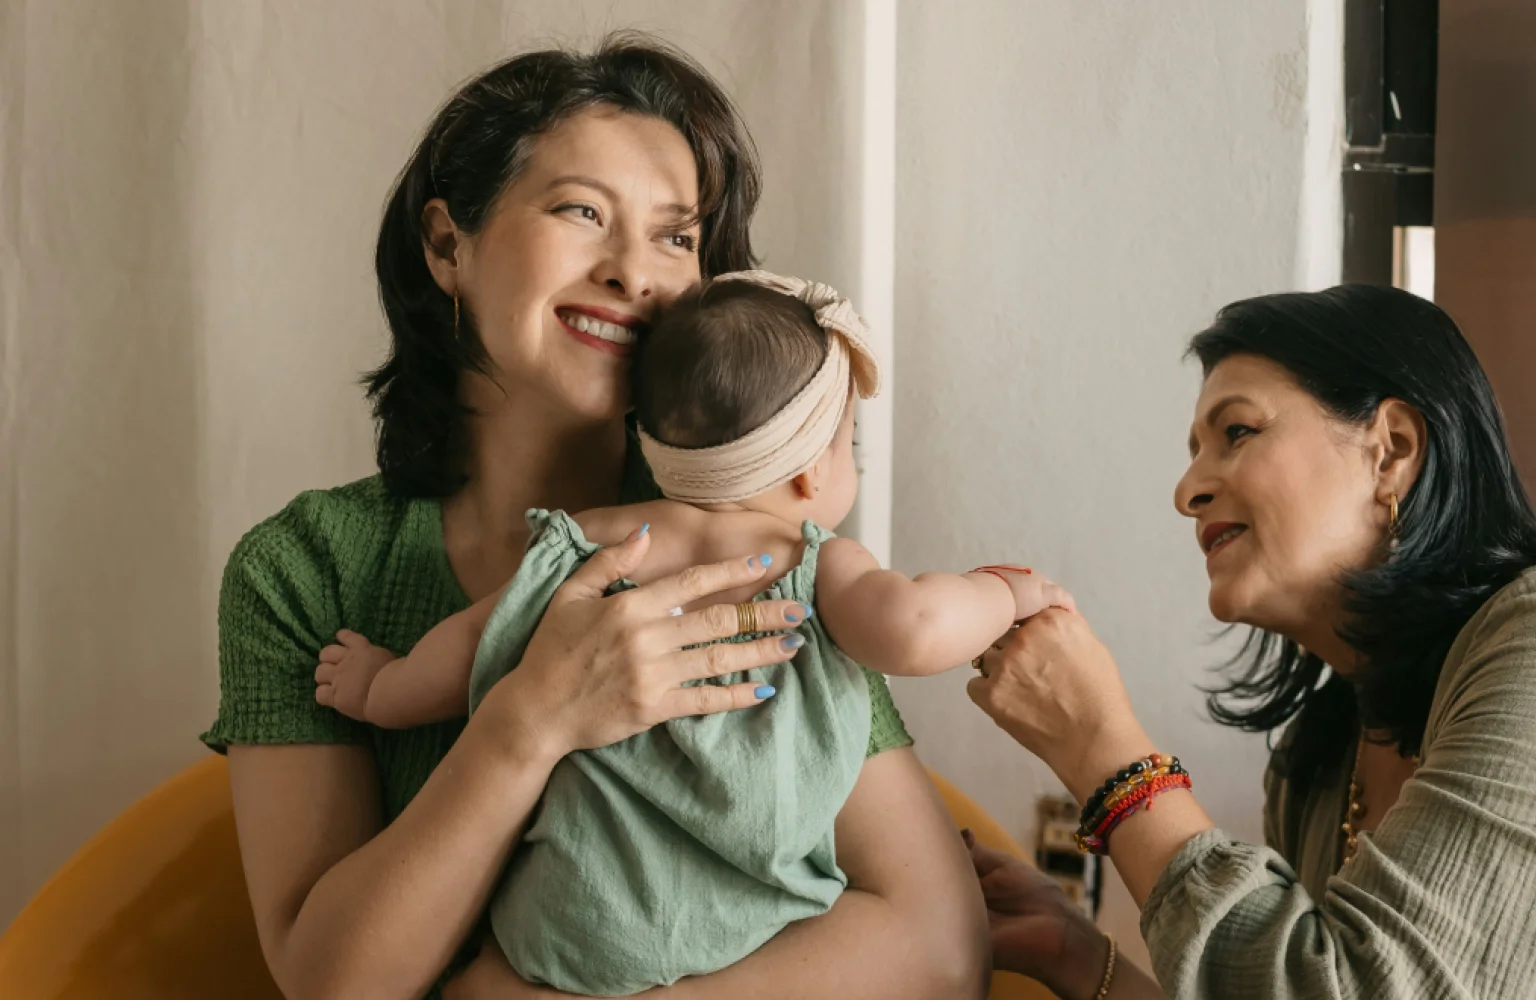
1393	524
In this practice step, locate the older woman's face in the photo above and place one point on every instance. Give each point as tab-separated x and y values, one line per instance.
1283	496
592	236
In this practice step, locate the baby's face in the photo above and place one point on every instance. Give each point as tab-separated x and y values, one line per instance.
840	485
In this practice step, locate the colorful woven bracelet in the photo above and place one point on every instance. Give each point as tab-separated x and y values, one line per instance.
1130	789
1096	840
1142	800
1122	790
1151	762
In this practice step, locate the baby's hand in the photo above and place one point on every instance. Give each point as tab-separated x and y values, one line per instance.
1032	593
346	672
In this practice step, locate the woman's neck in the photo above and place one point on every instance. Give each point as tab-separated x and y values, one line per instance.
1339	655
1325	617
521	457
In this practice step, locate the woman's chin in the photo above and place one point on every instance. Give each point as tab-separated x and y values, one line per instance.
1235	605
596	404
1226	603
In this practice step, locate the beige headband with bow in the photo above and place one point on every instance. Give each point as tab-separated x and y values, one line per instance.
793	439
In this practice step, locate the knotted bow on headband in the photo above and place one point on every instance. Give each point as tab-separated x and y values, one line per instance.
791	440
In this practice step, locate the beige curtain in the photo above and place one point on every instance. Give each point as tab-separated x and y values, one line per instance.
188	196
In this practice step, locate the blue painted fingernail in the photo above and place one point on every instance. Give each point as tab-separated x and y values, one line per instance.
793	616
643	529
767	560
809	611
764	692
790	643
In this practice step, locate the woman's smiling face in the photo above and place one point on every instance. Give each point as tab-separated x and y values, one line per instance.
597	230
1284	498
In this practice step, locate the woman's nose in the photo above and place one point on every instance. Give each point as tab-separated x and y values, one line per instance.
625	270
1194	490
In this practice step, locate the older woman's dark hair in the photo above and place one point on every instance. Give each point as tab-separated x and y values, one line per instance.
474	148
1466	529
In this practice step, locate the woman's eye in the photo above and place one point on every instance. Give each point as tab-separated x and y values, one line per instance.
1236	432
586	212
682	241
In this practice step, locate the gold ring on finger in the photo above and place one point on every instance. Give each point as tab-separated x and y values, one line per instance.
746	618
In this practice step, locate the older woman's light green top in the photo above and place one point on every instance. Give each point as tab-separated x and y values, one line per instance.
1439	901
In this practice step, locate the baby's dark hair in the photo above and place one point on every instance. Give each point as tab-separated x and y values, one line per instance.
722	360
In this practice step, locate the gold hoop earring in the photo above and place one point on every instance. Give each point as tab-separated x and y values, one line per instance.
455	314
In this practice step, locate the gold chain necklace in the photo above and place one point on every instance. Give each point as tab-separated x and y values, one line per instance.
1354	808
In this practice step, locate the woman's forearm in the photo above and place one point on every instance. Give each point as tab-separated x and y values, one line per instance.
864	947
345	916
1142	846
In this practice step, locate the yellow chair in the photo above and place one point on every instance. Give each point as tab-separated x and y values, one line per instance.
154	907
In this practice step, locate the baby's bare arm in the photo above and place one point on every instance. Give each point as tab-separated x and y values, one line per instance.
431	683
907	626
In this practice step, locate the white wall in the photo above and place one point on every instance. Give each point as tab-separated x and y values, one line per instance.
1079	187
188	198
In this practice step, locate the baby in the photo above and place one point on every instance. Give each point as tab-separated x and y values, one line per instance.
683	849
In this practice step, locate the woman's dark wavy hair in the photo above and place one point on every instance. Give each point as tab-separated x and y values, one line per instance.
1466	527
477	144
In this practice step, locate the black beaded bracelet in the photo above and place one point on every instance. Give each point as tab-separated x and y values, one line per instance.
1091	808
1101	811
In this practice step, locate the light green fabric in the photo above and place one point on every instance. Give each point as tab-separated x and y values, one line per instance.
1439	900
682	850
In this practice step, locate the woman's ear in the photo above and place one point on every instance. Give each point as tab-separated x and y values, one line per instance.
1399	438
444	245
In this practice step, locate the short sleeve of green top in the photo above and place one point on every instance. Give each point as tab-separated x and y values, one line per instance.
358	557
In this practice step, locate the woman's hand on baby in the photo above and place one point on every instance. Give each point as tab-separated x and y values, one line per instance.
346	672
601	668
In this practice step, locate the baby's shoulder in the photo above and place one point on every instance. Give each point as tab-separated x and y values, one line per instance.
611	525
841	560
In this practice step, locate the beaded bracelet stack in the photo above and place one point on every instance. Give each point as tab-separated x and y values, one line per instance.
1130	789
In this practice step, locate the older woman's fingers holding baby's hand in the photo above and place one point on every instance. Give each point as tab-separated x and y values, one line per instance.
1055	688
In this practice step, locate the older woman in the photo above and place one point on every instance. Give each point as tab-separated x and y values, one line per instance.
1354	498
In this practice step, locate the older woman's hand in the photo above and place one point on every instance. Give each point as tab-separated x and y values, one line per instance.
1036	930
1055	688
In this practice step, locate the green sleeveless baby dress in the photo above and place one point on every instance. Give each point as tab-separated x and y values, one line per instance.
684	849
